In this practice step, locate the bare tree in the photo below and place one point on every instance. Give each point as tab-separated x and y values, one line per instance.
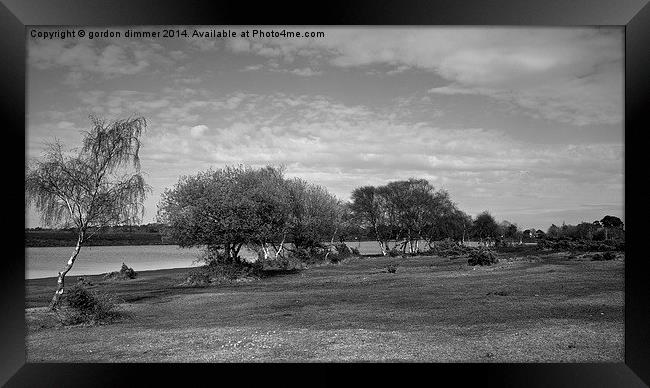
90	188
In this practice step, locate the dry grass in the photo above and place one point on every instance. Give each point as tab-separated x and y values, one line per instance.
545	309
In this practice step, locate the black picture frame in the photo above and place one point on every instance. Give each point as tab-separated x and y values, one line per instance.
634	15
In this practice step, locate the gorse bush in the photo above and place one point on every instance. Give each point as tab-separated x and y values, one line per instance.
481	256
448	248
88	306
124	273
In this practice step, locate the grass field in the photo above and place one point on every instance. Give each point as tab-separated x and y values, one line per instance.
539	308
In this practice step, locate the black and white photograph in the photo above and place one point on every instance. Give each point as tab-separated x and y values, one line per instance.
274	194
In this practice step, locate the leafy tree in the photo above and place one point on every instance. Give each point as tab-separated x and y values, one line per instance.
585	230
554	231
485	226
611	222
411	206
227	208
315	214
366	207
233	207
408	211
91	188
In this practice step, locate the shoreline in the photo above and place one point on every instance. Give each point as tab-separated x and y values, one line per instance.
100	275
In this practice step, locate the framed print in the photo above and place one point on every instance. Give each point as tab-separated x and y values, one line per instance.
364	192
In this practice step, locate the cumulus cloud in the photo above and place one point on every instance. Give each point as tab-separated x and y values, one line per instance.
573	75
344	144
108	58
203	116
197	131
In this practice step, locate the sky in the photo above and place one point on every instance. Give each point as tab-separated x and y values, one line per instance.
526	123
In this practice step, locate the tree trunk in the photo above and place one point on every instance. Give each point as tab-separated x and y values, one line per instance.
226	250
279	250
235	251
265	249
56	299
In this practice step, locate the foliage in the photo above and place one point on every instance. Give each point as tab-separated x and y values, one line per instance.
565	244
611	222
604	257
448	248
481	256
394	252
391	268
341	252
218	269
408	211
228	208
315	214
485	226
94	187
91	188
124	273
89	306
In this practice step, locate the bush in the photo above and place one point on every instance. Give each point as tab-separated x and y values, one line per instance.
604	257
124	273
355	251
581	245
481	256
218	268
88	306
391	268
448	248
342	252
394	252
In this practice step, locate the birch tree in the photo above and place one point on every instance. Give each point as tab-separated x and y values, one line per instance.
91	187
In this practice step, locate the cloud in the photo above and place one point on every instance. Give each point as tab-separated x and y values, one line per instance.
342	145
107	58
572	75
273	66
197	131
305	72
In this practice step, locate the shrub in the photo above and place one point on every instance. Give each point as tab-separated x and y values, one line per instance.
217	269
88	306
342	252
604	257
581	245
394	252
124	273
197	277
448	248
481	256
355	251
391	268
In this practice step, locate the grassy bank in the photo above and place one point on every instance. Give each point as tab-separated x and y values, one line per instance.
540	307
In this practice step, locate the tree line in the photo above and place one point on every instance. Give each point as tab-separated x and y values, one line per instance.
226	209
